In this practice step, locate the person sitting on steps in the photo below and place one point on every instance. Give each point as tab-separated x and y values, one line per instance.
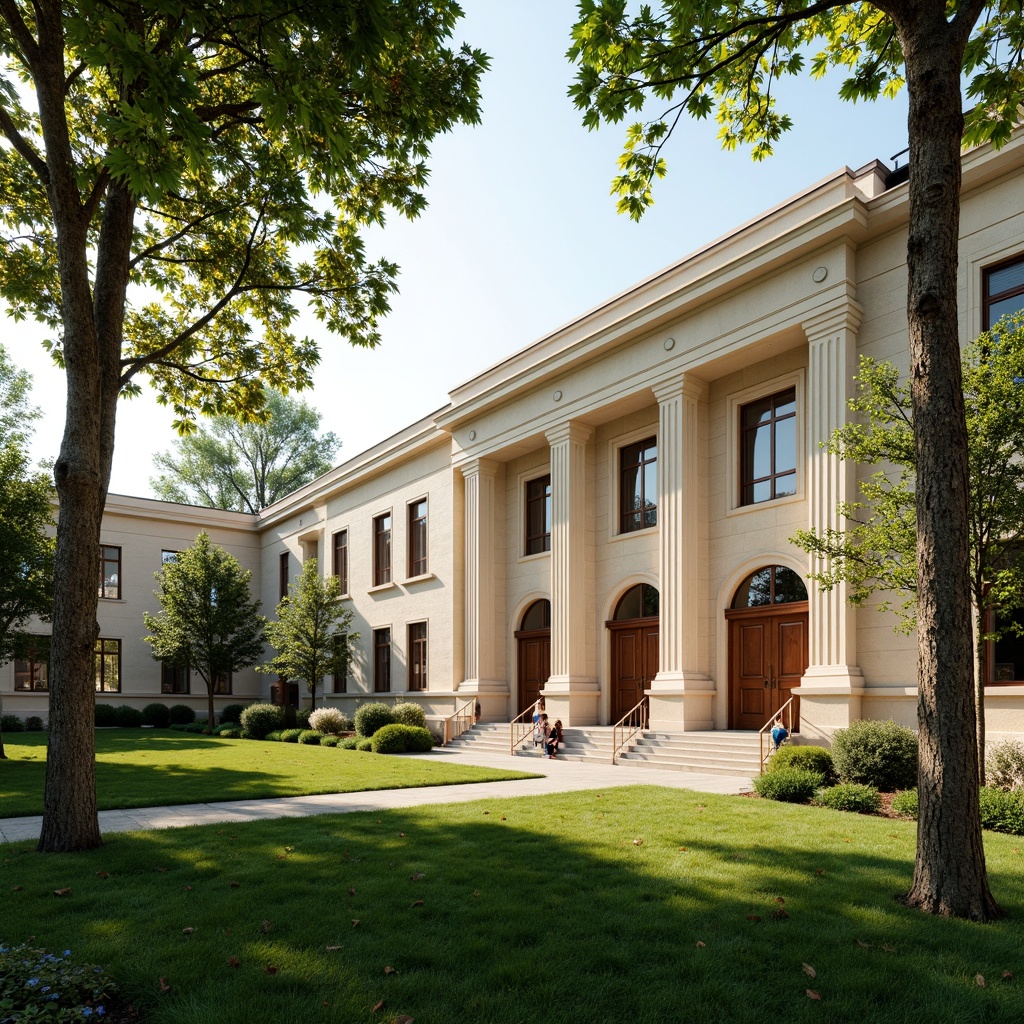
554	738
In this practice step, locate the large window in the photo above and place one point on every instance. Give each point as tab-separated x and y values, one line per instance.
417	655
382	549
222	684
283	575
768	448
340	566
32	671
538	515
638	486
341	678
110	572
173	678
107	665
1005	656
382	661
1004	290
418	538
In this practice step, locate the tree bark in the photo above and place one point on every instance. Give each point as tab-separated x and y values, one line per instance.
949	873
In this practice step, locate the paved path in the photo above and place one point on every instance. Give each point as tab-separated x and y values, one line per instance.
556	777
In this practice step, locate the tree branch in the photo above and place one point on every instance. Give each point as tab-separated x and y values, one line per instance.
22	146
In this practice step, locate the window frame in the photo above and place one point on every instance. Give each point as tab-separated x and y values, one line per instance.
339	558
382	660
543	538
223	685
170	678
418	541
340	680
746	432
382	549
99	662
37	670
283	574
418	655
103	562
621	527
987	299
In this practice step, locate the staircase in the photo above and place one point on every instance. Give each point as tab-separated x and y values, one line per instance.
714	753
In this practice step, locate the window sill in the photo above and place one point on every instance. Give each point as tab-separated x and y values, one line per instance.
381	587
788	499
114	600
647	531
535	557
422	578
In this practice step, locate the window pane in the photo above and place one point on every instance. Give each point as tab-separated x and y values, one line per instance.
538	615
785	403
757	412
1006	278
788	586
997	309
631	490
785	485
651	494
1008	653
785	445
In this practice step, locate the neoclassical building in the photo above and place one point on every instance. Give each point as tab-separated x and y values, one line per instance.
607	514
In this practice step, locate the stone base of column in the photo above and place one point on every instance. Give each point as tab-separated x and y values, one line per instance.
681	702
830	699
492	695
574	700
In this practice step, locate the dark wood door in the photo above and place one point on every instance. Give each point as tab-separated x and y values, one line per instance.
534	659
767	658
634	662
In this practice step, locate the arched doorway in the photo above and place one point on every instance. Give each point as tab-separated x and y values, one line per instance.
634	630
767	623
533	655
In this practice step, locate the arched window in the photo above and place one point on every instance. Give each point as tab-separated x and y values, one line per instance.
772	584
537	616
639	602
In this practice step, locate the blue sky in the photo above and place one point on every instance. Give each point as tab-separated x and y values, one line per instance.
520	236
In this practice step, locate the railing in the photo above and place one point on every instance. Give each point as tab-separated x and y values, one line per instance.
764	733
519	728
463	719
625	730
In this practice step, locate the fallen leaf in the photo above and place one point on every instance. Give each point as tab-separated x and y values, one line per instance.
351	892
863	945
487	812
380	1005
821	871
476	892
61	892
265	927
418	876
811	994
389	969
164	987
401	835
684	849
979	980
287	849
847	840
888	948
418	903
503	818
232	961
638	842
234	885
188	931
163	871
188	888
700	945
355	922
810	971
779	914
779	899
17	888
403	1019
102	874
753	917
270	970
281	856
1007	976
331	949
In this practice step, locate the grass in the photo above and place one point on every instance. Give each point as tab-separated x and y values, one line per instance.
153	768
639	905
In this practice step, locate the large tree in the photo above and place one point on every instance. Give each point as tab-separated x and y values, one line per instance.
172	175
724	58
247	466
209	620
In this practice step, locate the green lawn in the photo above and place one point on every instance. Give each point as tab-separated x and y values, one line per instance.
151	768
628	905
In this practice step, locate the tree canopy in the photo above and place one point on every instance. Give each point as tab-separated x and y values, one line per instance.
247	466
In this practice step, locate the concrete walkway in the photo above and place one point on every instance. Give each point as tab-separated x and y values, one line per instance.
556	777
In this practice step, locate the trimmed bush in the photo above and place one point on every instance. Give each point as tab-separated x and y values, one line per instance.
106	716
408	713
182	714
11	723
302	717
274	736
232	713
291	735
791	785
391	739
127	717
330	740
1004	766
879	754
365	744
310	737
259	719
371	717
229	731
349	743
156	715
329	721
811	759
33	724
905	803
1002	810
850	796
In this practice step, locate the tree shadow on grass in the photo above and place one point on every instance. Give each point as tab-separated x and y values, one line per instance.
623	905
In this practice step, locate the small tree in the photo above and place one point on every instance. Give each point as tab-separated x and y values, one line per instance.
312	634
878	549
209	620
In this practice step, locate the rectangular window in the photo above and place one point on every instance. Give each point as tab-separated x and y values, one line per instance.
174	678
382	549
32	671
768	448
1005	656
1003	290
538	515
382	661
417	656
340	566
168	556
110	572
418	538
107	665
638	486
341	678
222	684
282	576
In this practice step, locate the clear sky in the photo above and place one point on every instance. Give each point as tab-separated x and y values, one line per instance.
520	236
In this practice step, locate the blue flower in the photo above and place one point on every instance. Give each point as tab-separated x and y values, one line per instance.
31	983
67	952
86	1011
100	1011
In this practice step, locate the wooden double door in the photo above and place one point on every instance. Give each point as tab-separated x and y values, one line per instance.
634	662
767	658
534	664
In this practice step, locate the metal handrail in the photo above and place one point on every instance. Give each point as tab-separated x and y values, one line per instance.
764	733
633	722
463	719
519	725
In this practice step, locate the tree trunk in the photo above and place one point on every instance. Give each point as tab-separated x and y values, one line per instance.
979	685
949	873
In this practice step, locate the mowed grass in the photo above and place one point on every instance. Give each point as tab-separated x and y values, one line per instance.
624	905
153	768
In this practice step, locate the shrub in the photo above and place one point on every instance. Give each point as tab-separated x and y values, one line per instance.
157	715
106	716
811	759
302	718
230	731
850	796
232	713
371	717
408	713
182	714
11	723
1004	766
329	740
364	744
274	736
391	739
127	717
291	735
1002	810
36	985
33	724
904	803
310	737
259	719
329	721
879	754
791	785
349	743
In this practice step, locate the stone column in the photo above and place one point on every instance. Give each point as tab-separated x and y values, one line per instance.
682	693
571	692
